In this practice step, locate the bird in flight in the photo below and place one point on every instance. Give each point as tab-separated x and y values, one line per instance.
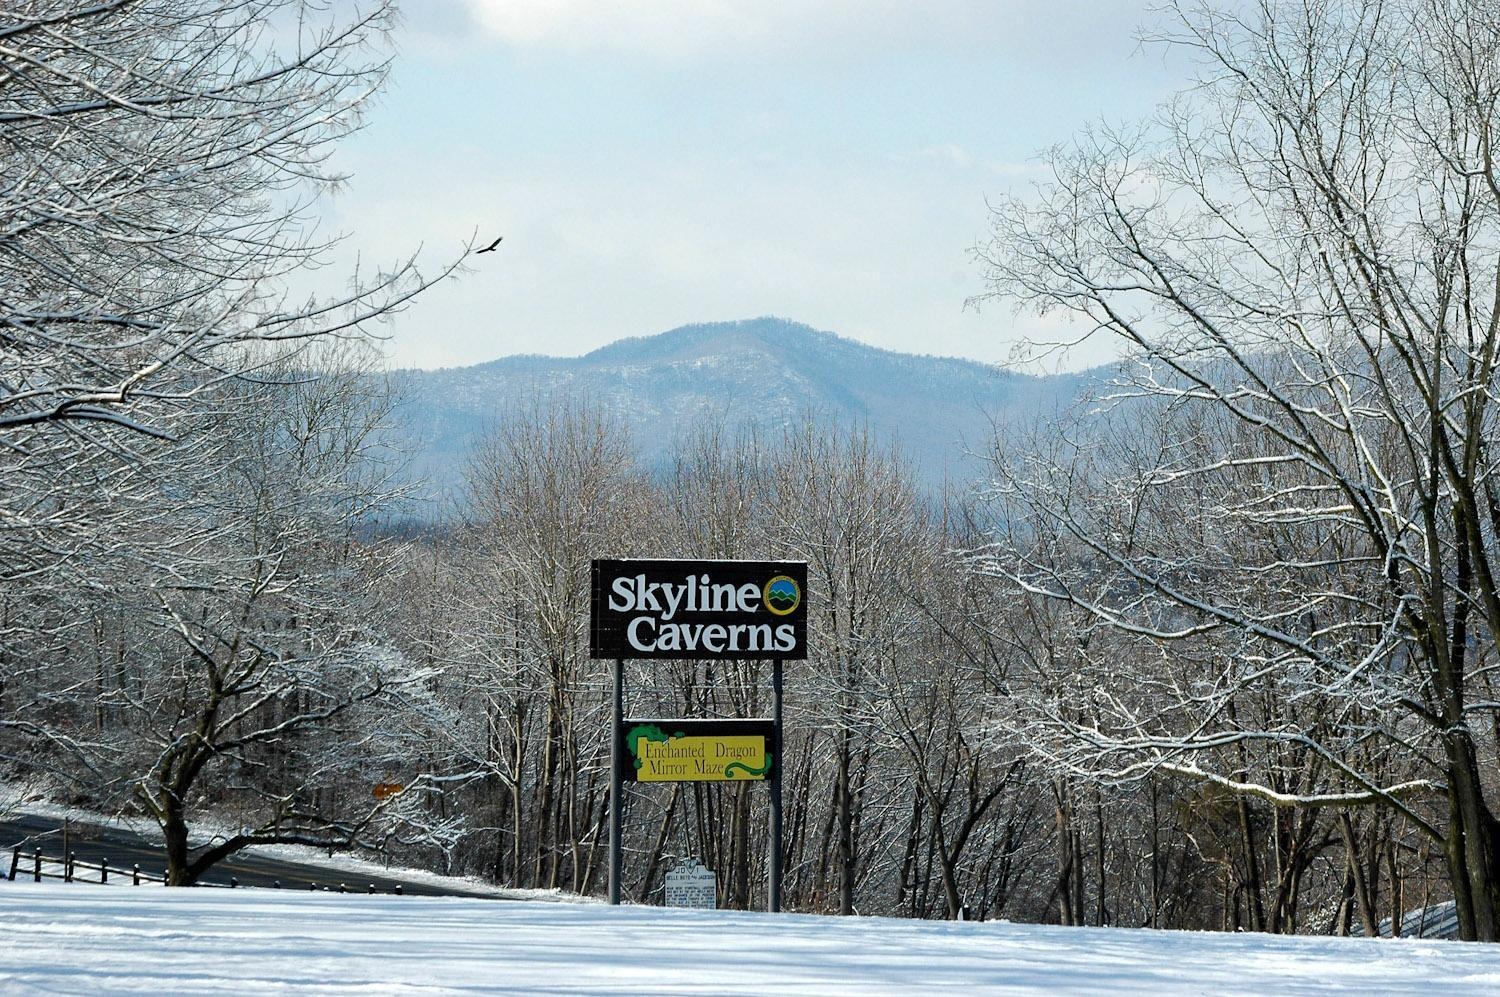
491	247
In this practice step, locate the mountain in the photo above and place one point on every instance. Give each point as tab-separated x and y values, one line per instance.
765	371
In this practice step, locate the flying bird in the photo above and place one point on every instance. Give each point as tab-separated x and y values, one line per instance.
491	247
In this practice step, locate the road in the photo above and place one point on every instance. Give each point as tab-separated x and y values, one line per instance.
124	848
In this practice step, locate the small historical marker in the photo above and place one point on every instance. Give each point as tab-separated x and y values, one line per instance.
691	885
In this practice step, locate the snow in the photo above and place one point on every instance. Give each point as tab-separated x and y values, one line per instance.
346	862
77	938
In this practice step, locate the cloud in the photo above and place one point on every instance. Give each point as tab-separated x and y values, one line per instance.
688	29
426	21
951	153
662	27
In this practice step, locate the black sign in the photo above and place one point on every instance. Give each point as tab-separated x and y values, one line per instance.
698	609
698	750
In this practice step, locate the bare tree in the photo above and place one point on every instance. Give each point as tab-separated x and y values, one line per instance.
160	166
161	158
1302	247
261	680
852	512
553	486
183	473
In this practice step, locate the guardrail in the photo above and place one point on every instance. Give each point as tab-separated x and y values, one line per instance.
67	869
40	867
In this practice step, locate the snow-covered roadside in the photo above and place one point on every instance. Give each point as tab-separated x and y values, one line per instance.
91	939
201	831
344	862
206	832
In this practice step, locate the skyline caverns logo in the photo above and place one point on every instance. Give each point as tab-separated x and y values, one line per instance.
782	595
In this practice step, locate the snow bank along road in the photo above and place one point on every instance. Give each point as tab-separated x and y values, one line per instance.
92	939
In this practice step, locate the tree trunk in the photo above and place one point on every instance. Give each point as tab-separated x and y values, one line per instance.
904	891
1471	846
175	830
1065	865
1252	883
1156	869
659	846
845	825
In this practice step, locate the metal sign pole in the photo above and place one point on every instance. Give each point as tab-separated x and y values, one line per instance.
616	781
773	891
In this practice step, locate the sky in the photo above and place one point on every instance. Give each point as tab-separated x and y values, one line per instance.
653	163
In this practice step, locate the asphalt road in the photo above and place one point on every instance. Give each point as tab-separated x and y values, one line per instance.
123	848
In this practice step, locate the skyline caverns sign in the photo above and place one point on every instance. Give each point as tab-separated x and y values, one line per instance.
699	750
718	610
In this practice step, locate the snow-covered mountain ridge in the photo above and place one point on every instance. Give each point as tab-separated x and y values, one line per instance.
767	372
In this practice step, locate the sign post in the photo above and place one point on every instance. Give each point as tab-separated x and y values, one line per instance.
773	870
616	785
705	610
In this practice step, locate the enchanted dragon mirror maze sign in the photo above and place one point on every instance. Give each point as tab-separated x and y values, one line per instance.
698	750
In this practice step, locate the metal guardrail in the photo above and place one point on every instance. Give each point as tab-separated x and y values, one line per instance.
66	869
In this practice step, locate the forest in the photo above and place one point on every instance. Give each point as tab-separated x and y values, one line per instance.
1214	650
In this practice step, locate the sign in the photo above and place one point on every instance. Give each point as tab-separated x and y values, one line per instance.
698	750
691	885
718	610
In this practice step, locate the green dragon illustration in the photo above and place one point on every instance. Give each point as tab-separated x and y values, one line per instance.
650	732
729	769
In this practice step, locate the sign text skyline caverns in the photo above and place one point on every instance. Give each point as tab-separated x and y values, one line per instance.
698	609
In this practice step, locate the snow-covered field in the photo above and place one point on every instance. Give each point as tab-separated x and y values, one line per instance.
90	939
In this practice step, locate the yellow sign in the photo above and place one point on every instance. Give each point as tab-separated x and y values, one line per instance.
661	756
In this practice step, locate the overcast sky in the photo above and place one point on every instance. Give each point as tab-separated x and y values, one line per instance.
652	164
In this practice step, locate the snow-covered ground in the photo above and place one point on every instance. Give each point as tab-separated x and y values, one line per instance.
90	939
